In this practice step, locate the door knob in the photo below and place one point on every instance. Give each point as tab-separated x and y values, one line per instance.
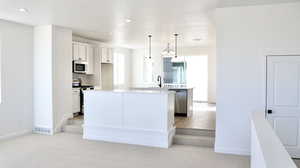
270	111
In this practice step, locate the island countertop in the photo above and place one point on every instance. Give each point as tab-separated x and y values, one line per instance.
166	88
131	91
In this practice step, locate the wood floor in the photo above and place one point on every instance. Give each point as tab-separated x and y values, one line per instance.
297	162
204	117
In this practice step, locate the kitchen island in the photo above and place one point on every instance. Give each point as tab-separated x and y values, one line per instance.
183	98
142	117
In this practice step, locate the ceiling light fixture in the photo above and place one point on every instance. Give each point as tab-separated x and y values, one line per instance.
128	20
24	10
169	52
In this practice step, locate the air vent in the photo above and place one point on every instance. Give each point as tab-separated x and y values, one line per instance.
41	130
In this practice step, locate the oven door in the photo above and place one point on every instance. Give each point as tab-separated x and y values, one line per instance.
79	67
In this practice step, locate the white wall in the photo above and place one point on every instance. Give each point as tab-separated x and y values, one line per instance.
138	65
52	77
43	117
16	56
245	35
62	76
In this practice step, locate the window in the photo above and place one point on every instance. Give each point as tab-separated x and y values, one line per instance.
197	76
119	70
148	71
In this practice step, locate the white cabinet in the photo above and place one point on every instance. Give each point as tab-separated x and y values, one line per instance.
80	51
106	55
85	53
90	60
76	101
75	50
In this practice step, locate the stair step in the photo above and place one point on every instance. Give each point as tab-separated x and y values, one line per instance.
75	122
203	141
74	128
195	132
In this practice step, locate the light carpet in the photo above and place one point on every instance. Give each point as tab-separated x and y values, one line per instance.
71	151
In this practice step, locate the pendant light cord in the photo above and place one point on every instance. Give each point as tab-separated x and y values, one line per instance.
176	36
150	36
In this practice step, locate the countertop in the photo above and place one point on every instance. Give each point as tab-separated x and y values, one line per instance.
160	91
164	88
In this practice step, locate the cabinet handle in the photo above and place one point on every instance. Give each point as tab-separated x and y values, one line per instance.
270	111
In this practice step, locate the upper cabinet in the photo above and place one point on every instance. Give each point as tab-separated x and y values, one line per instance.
84	52
90	60
80	51
106	55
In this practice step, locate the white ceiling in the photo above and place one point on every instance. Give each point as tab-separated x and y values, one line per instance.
105	19
228	3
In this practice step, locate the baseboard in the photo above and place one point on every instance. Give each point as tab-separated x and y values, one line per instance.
15	134
172	133
234	151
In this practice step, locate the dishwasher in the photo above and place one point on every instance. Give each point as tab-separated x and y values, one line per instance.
180	102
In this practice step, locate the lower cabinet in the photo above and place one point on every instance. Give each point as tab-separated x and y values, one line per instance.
76	101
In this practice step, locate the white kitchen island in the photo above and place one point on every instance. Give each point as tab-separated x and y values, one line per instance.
130	116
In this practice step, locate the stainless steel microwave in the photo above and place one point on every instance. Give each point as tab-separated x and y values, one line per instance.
79	67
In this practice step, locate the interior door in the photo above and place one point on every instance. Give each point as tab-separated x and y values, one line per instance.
283	103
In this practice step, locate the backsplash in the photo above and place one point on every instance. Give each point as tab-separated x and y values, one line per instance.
85	79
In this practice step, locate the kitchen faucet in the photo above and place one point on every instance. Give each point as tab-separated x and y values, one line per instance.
159	79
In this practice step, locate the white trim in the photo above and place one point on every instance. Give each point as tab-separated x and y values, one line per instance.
15	134
62	123
266	148
235	151
130	136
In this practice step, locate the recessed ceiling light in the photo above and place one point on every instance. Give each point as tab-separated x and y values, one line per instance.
197	39
24	10
128	20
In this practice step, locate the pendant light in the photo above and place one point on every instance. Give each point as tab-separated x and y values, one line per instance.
176	38
168	52
150	36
